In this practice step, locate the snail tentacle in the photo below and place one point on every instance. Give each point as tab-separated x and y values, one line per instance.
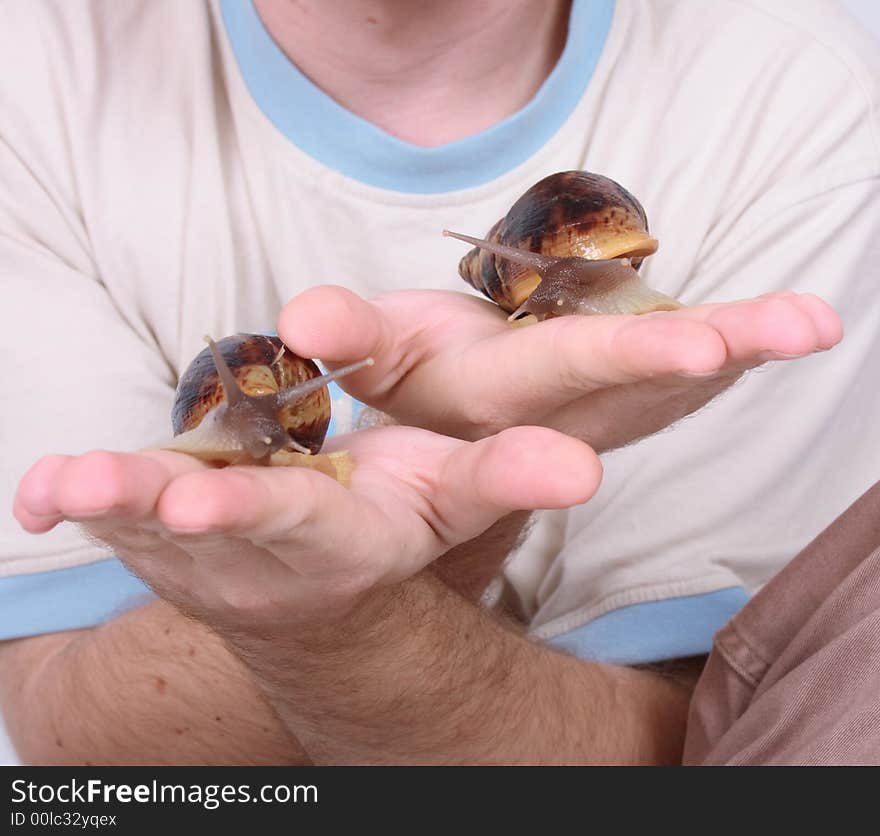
536	261
288	396
231	389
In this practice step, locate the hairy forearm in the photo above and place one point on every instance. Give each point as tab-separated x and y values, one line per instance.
155	687
468	568
418	675
150	687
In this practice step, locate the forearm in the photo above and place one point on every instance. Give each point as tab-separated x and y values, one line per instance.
150	687
155	687
468	568
417	675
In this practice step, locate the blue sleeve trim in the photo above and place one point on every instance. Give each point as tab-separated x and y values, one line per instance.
655	630
71	599
68	599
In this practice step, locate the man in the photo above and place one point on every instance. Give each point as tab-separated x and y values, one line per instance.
176	170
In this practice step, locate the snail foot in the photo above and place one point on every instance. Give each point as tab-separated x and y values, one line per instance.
337	465
581	286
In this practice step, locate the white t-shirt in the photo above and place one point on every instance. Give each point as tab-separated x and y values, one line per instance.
166	172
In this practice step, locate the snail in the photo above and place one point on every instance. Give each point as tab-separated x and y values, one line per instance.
248	399
572	244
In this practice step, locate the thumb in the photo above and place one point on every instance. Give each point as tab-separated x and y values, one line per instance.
338	327
523	468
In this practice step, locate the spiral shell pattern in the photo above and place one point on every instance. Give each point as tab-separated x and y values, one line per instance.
261	365
571	213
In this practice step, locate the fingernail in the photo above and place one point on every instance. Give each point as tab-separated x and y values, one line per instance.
712	373
193	530
89	514
768	356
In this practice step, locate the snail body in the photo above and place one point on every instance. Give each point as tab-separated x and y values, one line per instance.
572	244
247	399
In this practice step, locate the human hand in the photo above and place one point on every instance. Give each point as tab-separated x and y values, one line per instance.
242	548
450	362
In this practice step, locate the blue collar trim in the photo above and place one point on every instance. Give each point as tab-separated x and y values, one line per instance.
654	631
342	141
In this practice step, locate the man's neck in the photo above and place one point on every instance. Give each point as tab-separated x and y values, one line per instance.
429	72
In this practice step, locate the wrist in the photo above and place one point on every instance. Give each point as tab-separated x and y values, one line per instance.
469	567
344	621
381	685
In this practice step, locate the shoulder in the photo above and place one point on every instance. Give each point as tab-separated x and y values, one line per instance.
102	105
753	44
737	99
755	32
43	26
67	58
800	60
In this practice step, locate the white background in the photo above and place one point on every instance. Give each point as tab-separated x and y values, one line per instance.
868	11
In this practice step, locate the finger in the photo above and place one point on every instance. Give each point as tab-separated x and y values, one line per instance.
292	509
543	366
98	485
338	327
300	519
494	376
34	506
332	323
400	331
826	320
260	503
596	352
781	325
770	328
523	468
519	375
441	487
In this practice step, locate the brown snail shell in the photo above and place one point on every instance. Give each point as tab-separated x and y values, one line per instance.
248	399
572	243
261	365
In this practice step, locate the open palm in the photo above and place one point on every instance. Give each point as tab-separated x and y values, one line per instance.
245	546
450	362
